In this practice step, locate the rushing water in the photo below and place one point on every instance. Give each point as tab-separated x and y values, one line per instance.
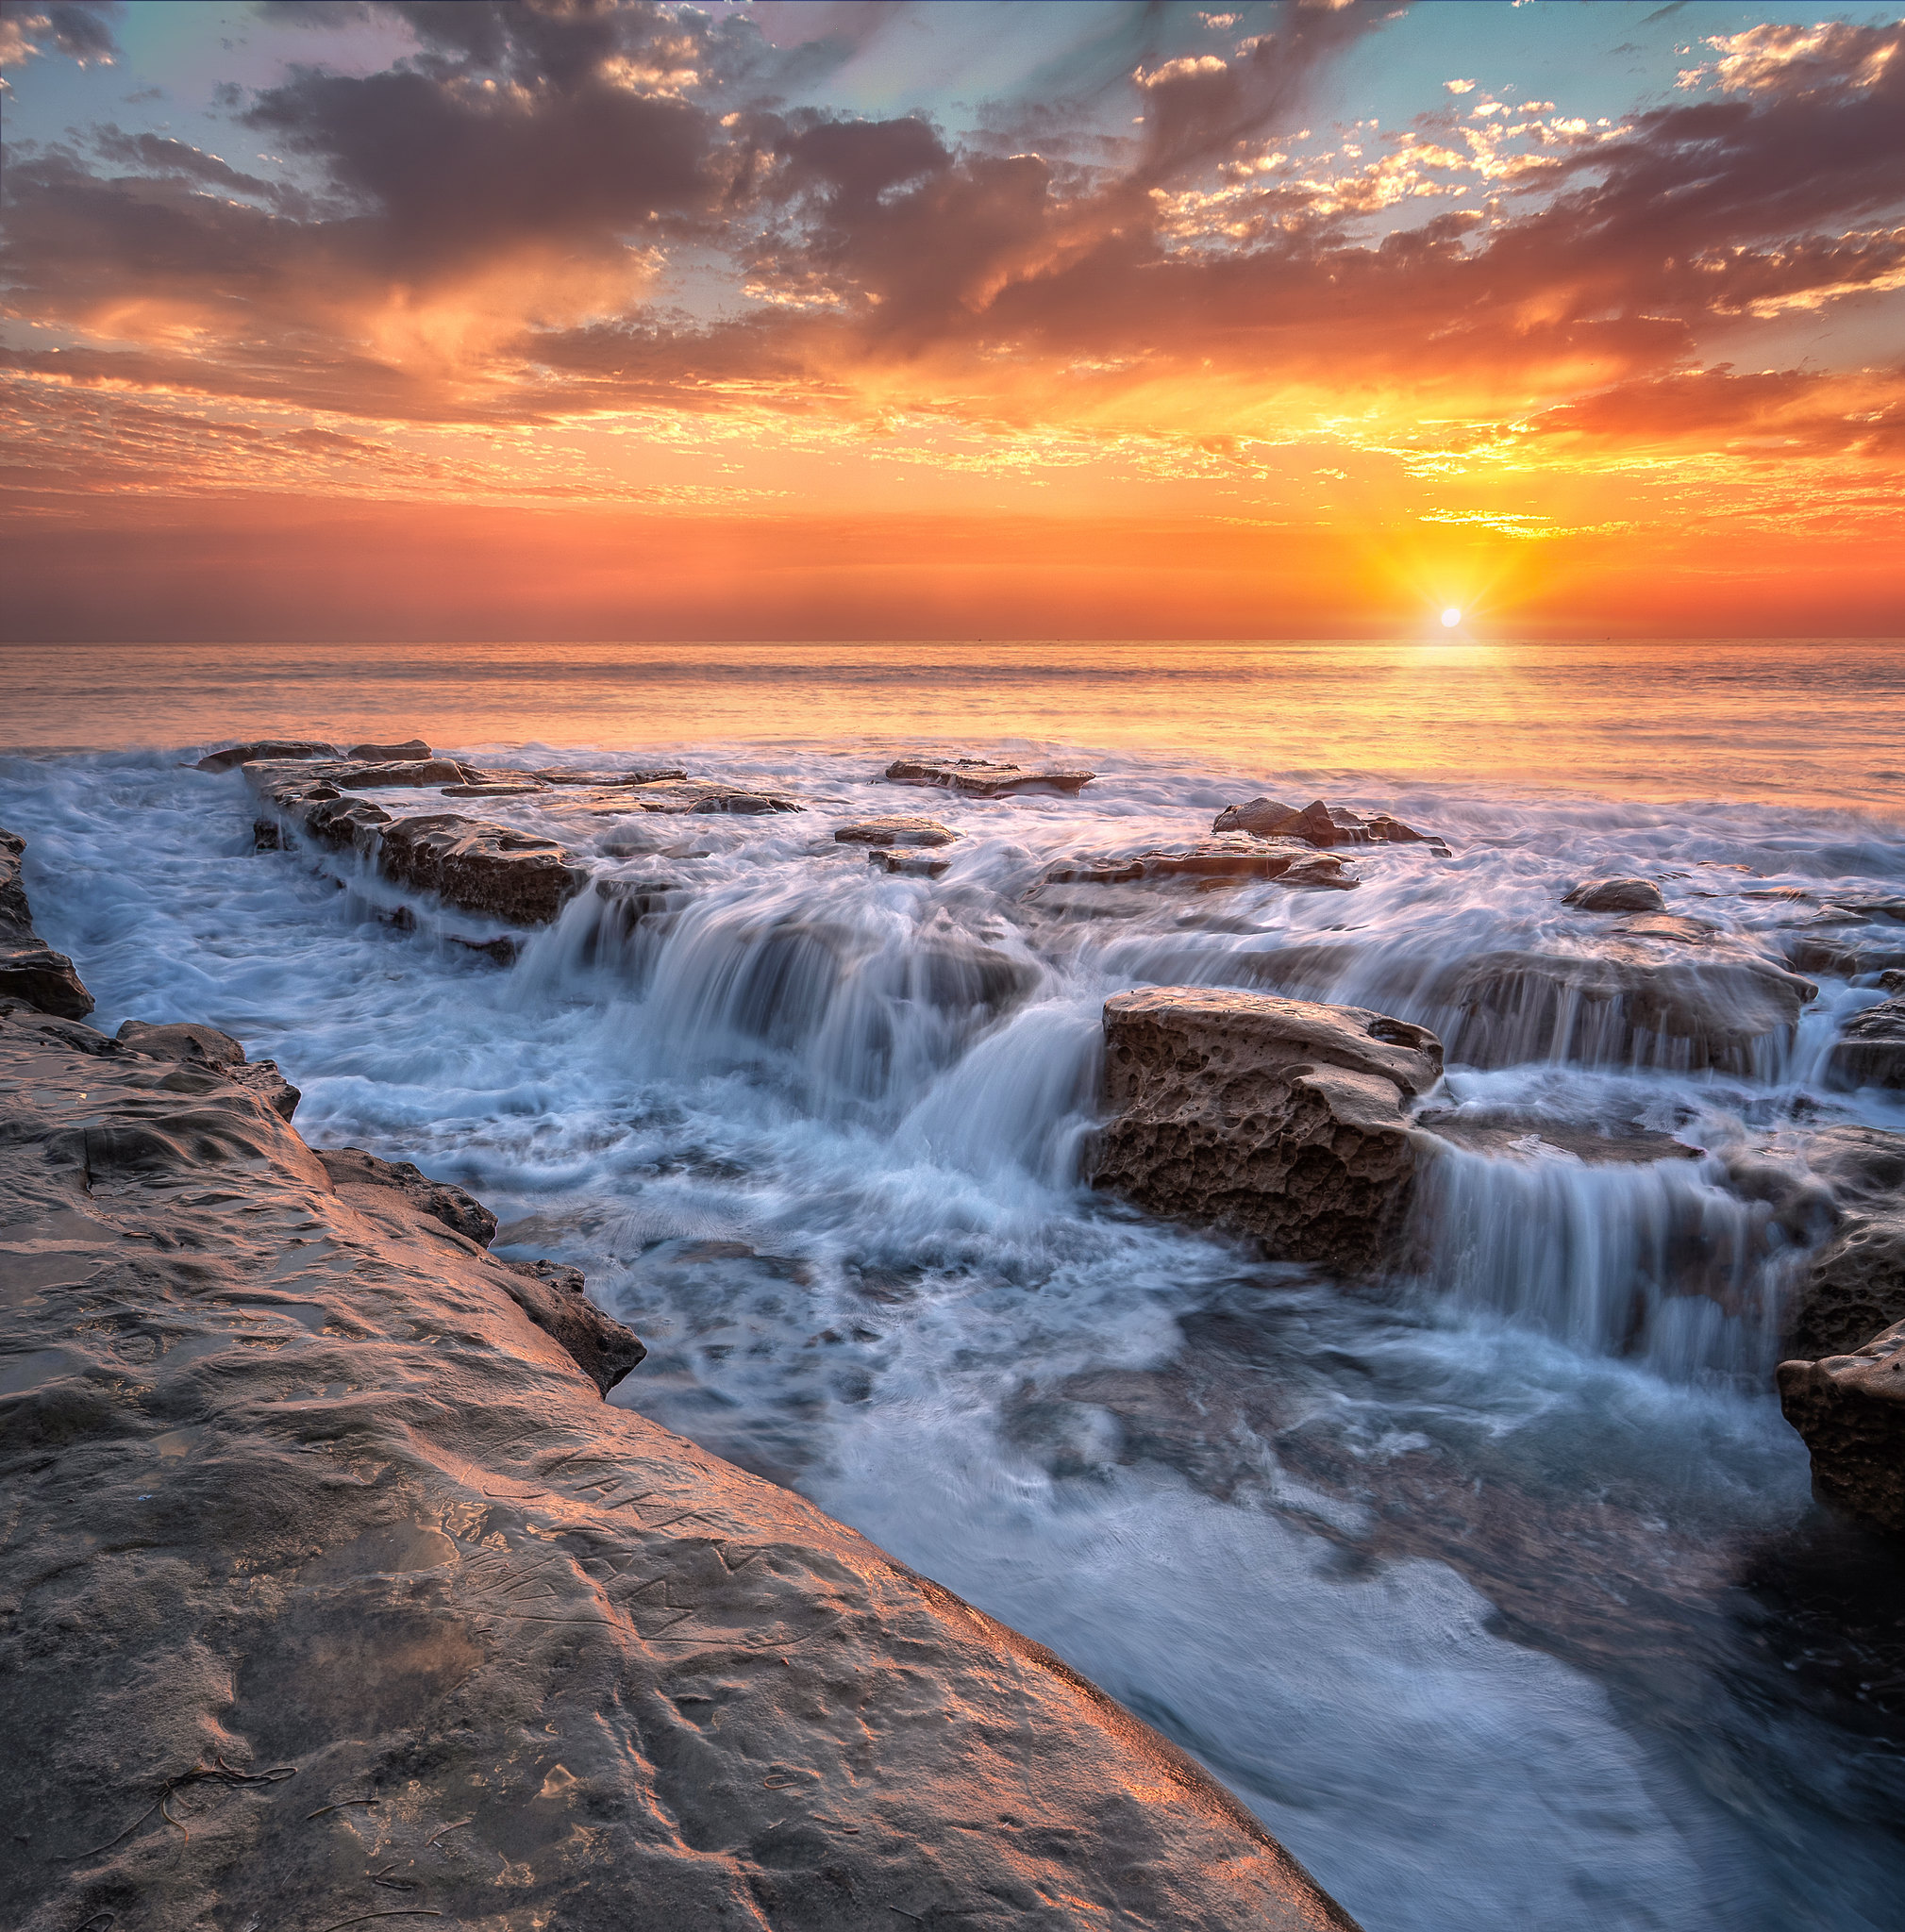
1497	1591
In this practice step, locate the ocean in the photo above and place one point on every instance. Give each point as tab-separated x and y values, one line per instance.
1496	1589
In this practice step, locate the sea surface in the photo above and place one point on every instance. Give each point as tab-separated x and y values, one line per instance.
1496	1589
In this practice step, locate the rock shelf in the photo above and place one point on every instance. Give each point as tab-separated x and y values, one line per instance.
985	778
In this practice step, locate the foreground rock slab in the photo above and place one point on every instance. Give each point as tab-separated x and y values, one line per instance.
985	778
333	1593
1280	1119
1850	1409
30	969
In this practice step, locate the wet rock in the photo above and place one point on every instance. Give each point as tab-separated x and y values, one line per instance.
1320	825
415	771
266	836
303	1510
490	791
985	778
698	797
1845	958
896	830
499	952
1871	1048
561	775
1725	1010
1237	857
215	1055
1850	1409
441	1200
347	824
1280	1119
917	865
551	1296
517	876
1616	895
410	750
236	755
30	969
1597	1142
1670	926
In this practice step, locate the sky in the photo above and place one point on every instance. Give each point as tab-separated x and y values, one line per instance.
570	320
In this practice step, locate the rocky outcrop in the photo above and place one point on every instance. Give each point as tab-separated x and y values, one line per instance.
1850	1409
1615	896
896	830
709	796
1849	956
1320	825
986	778
391	773
211	1056
472	864
411	748
1724	1010
1280	1119
1286	860
30	969
335	1593
351	1167
236	755
1871	1048
561	774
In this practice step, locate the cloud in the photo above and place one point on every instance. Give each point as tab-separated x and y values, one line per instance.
80	29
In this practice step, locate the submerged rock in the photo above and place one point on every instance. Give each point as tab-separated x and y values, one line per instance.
30	969
697	797
561	774
1280	1119
1850	1409
1288	861
214	1056
896	830
331	1581
235	755
1871	1048
1616	895
986	778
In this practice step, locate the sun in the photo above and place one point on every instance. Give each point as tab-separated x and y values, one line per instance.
1451	618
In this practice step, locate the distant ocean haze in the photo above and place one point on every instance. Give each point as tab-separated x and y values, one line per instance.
1817	722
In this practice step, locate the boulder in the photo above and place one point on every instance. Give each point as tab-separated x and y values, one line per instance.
1257	815
1724	1010
30	969
516	876
236	755
1322	826
1871	1048
1279	1118
332	1582
351	1167
1615	896
896	830
986	778
1850	1409
211	1056
410	750
1237	857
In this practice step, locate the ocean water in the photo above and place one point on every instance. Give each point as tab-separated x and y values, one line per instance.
1495	1589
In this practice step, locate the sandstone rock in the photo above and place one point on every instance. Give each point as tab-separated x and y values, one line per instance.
1275	1118
412	749
896	830
511	876
1257	815
1871	1048
1724	1010
918	865
984	779
1672	927
1850	1409
551	1296
495	791
1616	895
212	1057
373	778
265	748
1289	861
561	775
441	1200
30	969
1845	958
696	796
302	1511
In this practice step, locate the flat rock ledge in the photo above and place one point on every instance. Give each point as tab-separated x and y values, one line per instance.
30	969
1850	1409
1322	826
1216	860
472	864
331	1590
1273	1118
986	777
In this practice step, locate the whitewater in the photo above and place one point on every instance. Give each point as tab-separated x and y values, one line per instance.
1495	1590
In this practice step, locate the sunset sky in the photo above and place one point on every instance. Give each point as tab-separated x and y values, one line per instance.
339	319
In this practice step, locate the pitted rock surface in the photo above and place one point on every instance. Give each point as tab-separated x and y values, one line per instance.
1850	1409
1280	1119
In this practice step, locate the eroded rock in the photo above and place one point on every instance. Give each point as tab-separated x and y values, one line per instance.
303	1510
1615	896
1287	860
412	749
1320	825
517	876
1280	1119
986	778
896	830
1871	1048
441	1200
30	969
235	755
1850	1409
213	1056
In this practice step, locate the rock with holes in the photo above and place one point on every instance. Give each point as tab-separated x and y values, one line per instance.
333	1587
1850	1409
30	969
1280	1119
